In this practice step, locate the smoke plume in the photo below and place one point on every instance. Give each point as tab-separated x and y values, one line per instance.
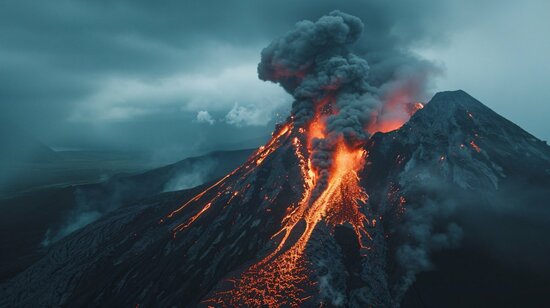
315	65
199	173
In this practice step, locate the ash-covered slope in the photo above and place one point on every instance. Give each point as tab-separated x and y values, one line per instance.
452	172
461	139
64	210
241	241
141	239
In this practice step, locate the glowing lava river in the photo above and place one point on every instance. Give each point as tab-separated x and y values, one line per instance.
304	181
332	196
280	278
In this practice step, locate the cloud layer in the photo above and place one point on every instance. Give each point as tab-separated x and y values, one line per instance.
82	73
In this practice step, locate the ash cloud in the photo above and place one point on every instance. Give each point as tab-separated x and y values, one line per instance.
139	55
314	63
142	43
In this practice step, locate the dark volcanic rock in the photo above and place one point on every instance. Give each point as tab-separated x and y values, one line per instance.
59	207
453	156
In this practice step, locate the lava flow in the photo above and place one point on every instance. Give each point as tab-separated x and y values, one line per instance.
334	113
282	277
222	186
285	276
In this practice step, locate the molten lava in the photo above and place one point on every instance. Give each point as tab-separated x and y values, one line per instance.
475	146
281	278
255	160
283	275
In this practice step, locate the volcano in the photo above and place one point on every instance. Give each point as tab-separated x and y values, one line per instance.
263	235
344	206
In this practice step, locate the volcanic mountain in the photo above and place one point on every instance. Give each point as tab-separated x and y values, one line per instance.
264	236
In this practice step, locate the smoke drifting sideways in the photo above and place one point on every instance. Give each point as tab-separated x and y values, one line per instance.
314	64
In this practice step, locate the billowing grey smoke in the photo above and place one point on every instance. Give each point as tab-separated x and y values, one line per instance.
310	50
421	239
313	61
314	64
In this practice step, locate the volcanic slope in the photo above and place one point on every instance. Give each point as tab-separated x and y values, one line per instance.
261	236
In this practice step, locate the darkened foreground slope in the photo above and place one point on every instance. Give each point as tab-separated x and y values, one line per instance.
31	222
456	176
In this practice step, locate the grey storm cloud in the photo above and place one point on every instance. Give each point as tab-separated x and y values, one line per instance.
67	60
66	67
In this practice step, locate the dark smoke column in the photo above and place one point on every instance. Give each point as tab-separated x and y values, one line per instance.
313	64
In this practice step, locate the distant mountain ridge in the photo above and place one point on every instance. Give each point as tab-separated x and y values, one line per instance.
62	205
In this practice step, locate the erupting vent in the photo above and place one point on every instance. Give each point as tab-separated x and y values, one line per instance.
333	117
282	277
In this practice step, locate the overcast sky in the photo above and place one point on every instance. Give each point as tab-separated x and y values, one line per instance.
179	77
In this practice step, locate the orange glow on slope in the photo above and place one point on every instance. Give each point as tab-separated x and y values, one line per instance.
264	151
256	159
397	110
282	276
385	126
392	116
280	279
475	146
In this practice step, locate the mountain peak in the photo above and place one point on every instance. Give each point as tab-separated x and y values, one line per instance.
455	123
460	94
453	100
452	109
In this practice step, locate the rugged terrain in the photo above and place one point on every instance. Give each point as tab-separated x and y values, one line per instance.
67	208
444	180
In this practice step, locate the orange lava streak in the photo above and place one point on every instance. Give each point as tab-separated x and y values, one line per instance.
271	146
187	224
256	159
475	146
346	201
197	197
339	201
280	278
